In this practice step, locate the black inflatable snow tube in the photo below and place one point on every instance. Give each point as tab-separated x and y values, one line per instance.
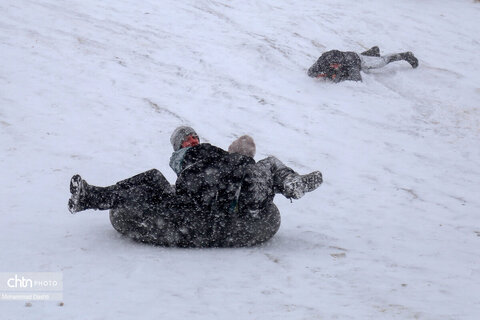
194	230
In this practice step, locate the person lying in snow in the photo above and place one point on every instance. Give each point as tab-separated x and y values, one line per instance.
220	198
338	66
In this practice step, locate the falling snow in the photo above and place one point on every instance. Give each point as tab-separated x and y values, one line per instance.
96	88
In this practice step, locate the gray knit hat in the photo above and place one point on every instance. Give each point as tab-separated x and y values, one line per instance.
179	135
243	145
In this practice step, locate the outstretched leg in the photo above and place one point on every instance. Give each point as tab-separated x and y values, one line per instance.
374	62
270	176
407	56
143	190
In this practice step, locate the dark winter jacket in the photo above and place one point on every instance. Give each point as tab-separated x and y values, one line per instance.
211	177
210	181
337	66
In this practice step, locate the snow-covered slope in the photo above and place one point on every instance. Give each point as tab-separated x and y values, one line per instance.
96	88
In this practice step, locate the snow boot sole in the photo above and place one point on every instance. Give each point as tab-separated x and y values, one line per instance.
297	186
77	189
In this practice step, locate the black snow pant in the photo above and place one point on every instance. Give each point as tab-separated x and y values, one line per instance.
144	190
262	181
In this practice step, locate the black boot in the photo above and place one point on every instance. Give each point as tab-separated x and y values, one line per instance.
372	52
78	190
407	56
410	58
85	196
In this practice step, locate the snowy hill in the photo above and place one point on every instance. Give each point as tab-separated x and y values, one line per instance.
96	88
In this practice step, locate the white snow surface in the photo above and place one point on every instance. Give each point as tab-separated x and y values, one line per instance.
97	87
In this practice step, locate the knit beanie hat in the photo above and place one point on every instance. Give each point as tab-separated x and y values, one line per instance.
243	145
179	135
